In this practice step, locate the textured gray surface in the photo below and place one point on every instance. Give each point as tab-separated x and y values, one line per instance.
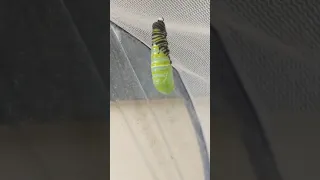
274	46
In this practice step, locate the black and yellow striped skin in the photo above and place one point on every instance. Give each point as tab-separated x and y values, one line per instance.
161	69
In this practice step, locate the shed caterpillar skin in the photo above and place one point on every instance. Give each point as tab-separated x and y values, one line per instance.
161	68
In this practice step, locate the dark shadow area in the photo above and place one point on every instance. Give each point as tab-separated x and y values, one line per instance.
47	73
54	101
93	25
240	150
274	48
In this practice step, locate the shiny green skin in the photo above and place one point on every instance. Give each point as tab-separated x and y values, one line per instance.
161	70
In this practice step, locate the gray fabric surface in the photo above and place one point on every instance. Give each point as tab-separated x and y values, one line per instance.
274	46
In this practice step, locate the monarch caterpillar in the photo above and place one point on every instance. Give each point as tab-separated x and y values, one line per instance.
161	68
